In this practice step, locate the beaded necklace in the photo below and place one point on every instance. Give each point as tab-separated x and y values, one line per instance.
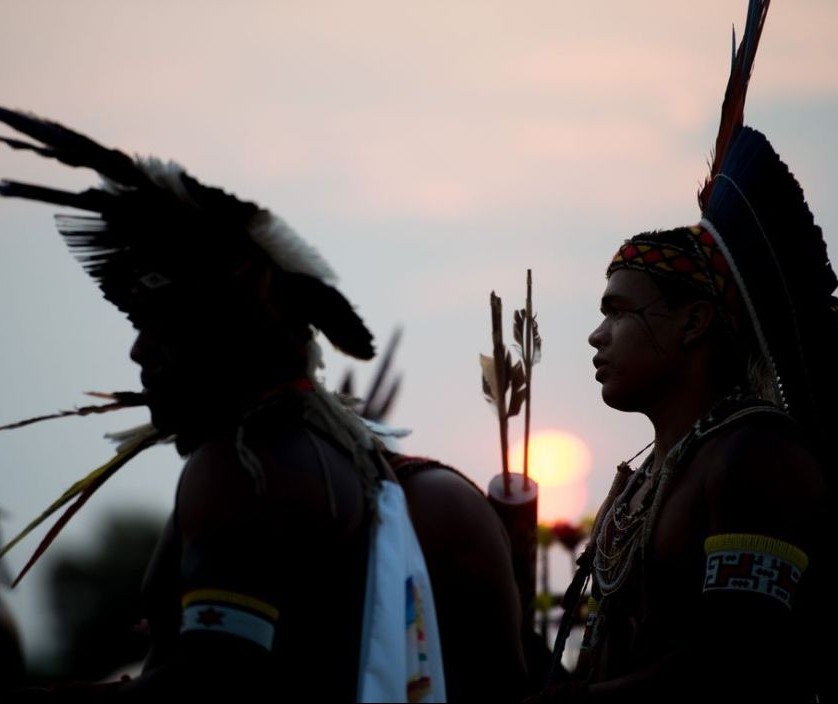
623	529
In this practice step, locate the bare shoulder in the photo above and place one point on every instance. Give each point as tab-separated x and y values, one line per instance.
449	510
215	490
761	476
469	559
295	476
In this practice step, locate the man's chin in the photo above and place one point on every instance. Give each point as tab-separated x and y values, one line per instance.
163	421
619	402
182	419
166	416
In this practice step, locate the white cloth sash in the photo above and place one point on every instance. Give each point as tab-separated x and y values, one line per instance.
401	657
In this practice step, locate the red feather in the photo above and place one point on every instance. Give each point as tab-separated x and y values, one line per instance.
733	105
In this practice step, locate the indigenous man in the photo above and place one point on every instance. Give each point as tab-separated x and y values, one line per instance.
289	568
708	561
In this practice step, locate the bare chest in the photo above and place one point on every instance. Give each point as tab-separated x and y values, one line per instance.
653	535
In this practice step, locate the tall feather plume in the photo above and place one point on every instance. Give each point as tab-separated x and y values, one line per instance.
733	105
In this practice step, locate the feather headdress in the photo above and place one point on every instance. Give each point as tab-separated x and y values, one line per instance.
755	210
757	233
154	234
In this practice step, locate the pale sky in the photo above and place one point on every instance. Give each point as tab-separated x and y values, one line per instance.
432	152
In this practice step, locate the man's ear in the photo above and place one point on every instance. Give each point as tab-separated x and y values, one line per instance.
699	317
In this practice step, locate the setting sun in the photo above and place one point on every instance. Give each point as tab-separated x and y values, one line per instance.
560	463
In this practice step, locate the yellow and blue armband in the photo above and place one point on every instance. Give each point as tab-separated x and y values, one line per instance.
220	611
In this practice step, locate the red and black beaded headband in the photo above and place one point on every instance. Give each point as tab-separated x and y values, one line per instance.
702	265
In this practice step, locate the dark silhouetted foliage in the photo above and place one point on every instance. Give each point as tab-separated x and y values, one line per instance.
95	598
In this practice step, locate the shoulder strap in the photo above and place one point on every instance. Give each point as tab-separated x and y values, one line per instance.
405	466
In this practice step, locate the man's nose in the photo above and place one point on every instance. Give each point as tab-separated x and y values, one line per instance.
597	337
141	349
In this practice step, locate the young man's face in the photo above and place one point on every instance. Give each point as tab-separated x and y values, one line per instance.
182	369
162	366
637	343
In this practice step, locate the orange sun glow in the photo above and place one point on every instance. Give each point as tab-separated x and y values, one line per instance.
560	463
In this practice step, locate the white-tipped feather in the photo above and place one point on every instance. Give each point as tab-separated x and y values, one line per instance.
270	232
287	248
165	174
385	431
314	358
129	436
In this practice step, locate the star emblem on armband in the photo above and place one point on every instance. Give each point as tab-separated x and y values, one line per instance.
210	617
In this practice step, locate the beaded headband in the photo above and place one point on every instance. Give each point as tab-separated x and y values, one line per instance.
702	265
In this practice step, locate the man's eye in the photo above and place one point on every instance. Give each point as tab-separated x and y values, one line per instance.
613	313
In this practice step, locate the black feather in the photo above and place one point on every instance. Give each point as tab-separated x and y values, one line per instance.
92	200
347	385
373	399
327	310
75	149
163	233
382	409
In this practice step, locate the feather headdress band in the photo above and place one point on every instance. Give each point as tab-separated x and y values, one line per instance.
156	235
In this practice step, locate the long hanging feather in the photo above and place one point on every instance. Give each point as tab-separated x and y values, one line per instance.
733	105
120	400
81	490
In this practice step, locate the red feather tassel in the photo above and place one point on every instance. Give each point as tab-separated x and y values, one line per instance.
733	105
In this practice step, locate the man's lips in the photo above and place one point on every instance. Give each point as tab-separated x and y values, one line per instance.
600	365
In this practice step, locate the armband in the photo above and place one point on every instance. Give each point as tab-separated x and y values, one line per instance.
753	563
220	611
